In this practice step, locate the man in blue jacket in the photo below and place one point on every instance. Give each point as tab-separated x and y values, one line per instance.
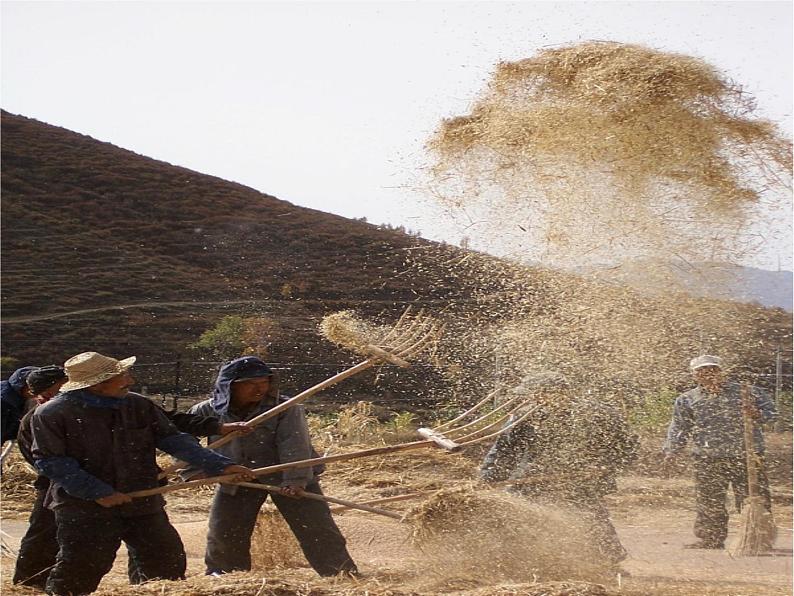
39	546
245	388
96	442
711	416
14	402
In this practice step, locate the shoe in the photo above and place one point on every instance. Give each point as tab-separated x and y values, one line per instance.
705	544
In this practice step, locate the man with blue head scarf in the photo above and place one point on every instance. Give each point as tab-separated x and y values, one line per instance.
245	388
14	396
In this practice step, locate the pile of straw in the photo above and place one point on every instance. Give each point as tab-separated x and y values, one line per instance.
273	545
18	477
494	536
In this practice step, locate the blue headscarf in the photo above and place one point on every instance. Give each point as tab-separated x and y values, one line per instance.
247	367
12	403
12	388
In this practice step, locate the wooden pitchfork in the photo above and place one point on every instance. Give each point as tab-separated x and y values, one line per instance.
453	439
408	338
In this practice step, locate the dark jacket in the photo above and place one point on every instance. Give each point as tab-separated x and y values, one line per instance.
12	403
575	449
91	446
283	438
198	426
25	444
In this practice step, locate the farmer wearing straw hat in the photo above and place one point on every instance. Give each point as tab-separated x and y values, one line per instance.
245	388
711	416
96	441
39	545
569	450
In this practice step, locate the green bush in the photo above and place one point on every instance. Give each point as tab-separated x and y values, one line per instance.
653	412
223	341
7	362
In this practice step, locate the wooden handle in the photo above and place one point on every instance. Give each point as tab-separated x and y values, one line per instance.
309	495
304	463
749	443
439	439
405	497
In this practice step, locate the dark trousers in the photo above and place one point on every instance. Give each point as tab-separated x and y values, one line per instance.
712	478
88	542
39	546
232	521
602	531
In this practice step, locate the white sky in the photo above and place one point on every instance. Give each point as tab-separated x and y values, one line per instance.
328	105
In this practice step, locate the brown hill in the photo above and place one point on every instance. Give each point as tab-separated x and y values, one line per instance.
88	227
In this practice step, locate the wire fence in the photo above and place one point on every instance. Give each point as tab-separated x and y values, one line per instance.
181	382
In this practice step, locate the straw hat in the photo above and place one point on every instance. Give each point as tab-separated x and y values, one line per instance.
90	368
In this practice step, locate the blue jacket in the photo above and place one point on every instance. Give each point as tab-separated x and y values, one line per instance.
714	422
12	403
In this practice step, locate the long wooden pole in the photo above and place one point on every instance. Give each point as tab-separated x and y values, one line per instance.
315	497
305	463
405	497
300	398
752	468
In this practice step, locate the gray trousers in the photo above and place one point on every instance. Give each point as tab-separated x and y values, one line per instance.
713	476
232	521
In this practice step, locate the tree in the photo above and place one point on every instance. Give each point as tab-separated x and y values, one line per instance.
224	340
235	336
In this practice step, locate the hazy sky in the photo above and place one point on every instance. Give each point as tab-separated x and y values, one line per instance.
328	105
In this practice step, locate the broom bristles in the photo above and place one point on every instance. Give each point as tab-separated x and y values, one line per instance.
758	530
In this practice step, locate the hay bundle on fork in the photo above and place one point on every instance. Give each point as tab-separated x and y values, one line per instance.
758	531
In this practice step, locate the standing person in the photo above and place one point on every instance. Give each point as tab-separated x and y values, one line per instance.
245	388
711	415
568	451
97	441
15	399
39	545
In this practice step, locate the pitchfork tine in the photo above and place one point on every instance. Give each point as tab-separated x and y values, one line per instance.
496	422
501	431
418	345
397	325
487	415
408	335
402	337
474	408
407	338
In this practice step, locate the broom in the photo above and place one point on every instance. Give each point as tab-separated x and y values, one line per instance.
758	531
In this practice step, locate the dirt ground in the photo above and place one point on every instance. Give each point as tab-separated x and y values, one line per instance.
653	516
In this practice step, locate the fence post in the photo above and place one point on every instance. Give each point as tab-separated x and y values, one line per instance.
177	379
780	423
